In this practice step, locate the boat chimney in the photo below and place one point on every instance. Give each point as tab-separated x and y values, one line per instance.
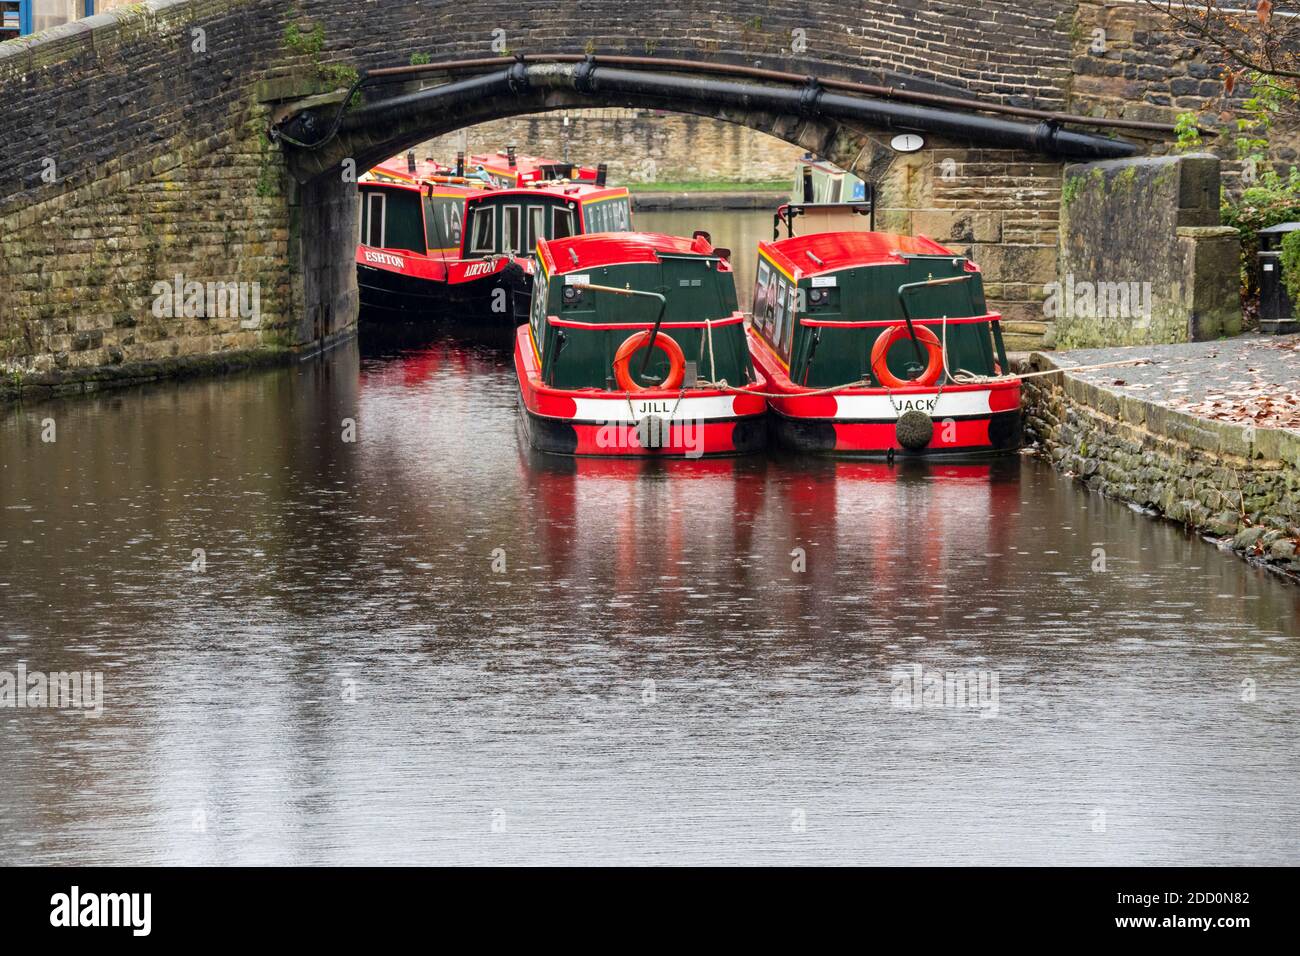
601	172
510	156
807	184
460	163
410	161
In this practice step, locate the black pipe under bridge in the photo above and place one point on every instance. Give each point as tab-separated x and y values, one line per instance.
822	115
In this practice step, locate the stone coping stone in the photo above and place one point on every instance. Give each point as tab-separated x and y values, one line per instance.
1149	395
689	201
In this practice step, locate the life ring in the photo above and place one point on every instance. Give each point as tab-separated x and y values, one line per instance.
880	351
633	344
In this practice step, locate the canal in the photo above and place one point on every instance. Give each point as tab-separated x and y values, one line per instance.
343	616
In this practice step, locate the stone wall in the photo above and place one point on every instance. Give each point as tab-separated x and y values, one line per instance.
1000	207
1234	482
1142	257
1128	62
638	146
134	145
157	164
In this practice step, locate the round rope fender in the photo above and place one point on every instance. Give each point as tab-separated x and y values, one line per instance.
933	368
633	344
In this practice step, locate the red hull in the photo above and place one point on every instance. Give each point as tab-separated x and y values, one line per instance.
584	422
968	419
416	285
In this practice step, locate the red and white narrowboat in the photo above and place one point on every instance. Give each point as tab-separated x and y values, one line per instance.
635	346
881	345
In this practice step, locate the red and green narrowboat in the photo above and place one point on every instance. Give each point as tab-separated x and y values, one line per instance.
635	346
455	247
880	345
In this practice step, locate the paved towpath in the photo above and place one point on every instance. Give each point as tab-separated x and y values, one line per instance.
1248	379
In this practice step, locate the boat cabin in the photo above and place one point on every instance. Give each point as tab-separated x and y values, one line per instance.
818	181
467	222
822	301
592	293
514	220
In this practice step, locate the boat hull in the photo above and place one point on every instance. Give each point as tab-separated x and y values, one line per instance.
968	421
655	423
498	299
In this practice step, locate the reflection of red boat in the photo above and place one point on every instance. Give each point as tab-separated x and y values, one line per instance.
448	242
632	341
880	344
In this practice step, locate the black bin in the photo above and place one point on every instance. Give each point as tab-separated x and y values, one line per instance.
1277	312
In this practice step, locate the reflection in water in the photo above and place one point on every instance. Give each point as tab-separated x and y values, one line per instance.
648	679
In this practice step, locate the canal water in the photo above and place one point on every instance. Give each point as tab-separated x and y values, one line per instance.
426	645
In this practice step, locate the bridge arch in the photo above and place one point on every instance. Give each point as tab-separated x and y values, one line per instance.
137	148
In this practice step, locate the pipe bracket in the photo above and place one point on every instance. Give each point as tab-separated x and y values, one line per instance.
1044	136
517	77
810	95
584	77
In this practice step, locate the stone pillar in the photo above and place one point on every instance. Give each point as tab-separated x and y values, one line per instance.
322	255
1143	258
1211	280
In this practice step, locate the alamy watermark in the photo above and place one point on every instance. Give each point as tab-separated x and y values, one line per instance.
208	300
684	436
60	690
915	688
133	911
1097	300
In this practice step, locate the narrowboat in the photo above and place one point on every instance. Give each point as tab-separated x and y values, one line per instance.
877	344
818	181
505	169
635	346
456	246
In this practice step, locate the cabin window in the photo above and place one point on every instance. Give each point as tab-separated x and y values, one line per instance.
536	227
442	219
539	311
561	222
372	228
608	215
785	335
404	221
483	229
778	329
769	305
510	229
760	292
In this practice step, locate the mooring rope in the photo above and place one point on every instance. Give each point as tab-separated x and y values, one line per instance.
970	378
961	377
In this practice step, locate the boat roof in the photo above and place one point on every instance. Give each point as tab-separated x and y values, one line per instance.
830	251
527	167
585	192
436	188
595	249
398	169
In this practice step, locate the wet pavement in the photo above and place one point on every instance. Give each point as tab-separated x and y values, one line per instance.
1251	378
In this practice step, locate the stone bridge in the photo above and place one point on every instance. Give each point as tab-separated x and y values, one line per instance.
137	145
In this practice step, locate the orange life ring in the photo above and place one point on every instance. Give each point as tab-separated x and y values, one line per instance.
633	344
880	350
